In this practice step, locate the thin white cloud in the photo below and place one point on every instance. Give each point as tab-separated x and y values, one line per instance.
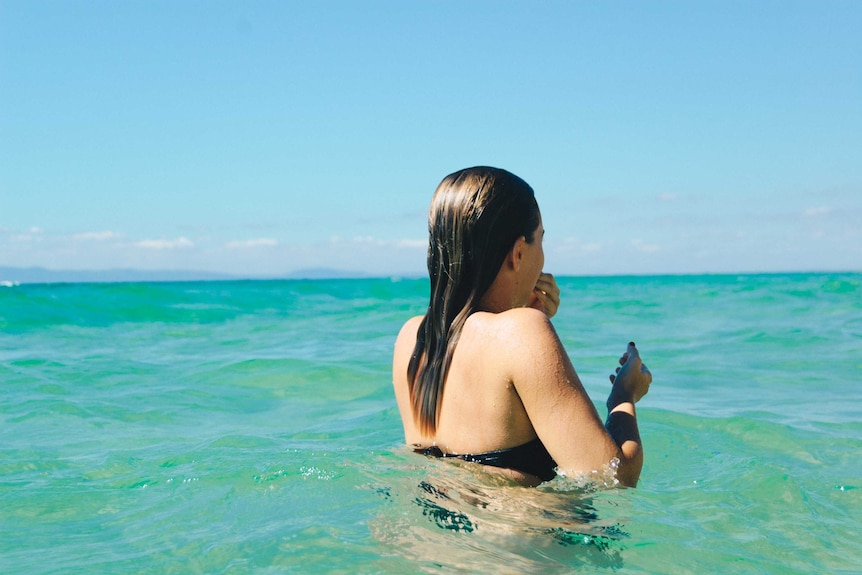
26	238
97	236
411	243
575	246
641	246
165	244
668	197
817	212
255	243
367	240
356	240
21	236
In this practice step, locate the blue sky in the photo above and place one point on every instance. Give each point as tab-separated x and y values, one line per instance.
258	138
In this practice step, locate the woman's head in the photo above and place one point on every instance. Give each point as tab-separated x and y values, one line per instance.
476	217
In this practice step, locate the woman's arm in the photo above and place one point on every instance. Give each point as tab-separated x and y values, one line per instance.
630	384
559	408
403	351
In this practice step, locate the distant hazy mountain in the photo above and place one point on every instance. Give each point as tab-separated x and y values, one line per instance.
43	275
324	273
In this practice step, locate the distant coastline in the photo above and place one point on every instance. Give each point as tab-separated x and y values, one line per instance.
31	275
10	276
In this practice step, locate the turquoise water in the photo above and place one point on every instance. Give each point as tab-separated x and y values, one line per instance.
249	427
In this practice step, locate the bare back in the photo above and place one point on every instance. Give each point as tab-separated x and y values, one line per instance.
481	409
510	381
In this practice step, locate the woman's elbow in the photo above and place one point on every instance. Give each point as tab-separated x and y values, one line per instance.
631	462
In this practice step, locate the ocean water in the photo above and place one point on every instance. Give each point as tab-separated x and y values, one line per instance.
249	427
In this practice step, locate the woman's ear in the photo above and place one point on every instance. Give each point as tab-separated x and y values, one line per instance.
516	255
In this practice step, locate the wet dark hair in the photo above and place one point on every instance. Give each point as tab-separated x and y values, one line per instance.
476	216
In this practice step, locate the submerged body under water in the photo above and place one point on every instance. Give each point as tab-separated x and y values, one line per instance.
234	427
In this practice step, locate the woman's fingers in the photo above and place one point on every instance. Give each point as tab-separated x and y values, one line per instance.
637	374
546	283
548	293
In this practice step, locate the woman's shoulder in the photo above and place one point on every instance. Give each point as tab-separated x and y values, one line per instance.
410	327
513	326
407	335
516	320
513	330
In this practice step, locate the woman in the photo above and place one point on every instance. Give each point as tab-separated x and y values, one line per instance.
482	376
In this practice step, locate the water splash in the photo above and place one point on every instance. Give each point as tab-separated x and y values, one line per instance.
586	482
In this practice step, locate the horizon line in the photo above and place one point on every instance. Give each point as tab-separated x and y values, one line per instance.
11	275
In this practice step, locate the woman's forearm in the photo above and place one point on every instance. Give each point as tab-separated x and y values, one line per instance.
622	425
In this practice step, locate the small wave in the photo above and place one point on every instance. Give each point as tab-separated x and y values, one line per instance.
7	283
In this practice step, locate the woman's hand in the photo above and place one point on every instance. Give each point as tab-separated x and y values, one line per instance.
632	379
546	295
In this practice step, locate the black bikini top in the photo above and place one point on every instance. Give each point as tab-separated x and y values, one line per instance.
531	457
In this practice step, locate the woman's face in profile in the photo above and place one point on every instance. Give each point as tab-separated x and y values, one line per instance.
534	258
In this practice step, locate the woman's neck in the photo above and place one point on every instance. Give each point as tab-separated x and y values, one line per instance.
499	296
